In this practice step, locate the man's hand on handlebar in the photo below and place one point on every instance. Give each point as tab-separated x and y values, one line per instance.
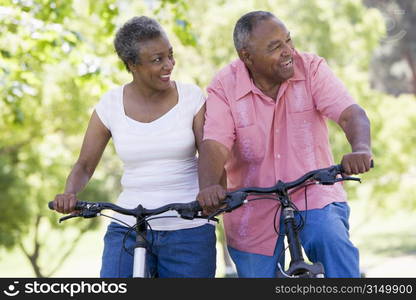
356	162
211	198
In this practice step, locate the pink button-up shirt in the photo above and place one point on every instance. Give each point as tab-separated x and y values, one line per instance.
272	139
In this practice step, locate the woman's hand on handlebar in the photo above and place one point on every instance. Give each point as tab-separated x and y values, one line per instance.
211	198
65	203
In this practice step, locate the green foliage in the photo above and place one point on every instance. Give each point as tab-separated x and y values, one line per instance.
393	181
178	19
49	70
12	203
57	59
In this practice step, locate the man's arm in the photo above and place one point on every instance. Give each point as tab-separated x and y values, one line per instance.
212	158
356	125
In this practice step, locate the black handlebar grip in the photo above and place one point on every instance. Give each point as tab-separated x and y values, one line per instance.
195	206
78	205
341	169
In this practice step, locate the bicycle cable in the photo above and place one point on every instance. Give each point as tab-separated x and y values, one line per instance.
110	217
302	221
149	246
276	230
277	211
278	261
306	203
298	227
130	229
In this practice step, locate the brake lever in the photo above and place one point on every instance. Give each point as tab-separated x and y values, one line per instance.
82	213
210	217
64	218
89	214
348	178
190	215
326	178
234	201
213	215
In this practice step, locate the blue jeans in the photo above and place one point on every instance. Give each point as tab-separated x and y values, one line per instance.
324	237
177	253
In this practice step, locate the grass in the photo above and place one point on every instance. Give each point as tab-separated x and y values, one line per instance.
387	242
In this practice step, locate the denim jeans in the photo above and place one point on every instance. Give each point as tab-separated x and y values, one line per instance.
187	253
325	238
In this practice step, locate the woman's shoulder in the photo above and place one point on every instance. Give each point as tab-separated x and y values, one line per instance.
190	91
112	94
191	96
109	101
190	88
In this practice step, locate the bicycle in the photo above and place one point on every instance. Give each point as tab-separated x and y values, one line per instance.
85	209
298	267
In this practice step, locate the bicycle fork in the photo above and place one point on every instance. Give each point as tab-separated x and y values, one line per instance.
298	267
292	235
139	265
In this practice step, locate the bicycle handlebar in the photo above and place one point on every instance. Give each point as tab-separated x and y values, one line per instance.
191	210
86	209
325	176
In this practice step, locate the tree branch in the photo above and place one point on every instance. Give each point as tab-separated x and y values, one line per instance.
33	257
412	65
73	244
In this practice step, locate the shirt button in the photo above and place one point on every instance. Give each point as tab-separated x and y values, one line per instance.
278	155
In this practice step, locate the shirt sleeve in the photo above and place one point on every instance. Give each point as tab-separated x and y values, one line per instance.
330	95
219	123
101	108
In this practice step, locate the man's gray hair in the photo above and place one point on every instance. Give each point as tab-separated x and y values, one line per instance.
245	26
130	36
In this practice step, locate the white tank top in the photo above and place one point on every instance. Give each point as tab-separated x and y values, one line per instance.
159	158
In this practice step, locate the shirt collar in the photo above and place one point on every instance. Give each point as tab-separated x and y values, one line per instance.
245	83
243	80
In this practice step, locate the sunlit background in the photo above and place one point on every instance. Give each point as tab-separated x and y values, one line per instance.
57	59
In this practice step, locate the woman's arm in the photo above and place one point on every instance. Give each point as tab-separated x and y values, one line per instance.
95	140
198	127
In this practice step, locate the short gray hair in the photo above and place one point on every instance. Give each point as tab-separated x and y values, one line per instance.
245	26
132	34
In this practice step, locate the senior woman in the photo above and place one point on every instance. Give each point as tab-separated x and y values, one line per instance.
156	126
